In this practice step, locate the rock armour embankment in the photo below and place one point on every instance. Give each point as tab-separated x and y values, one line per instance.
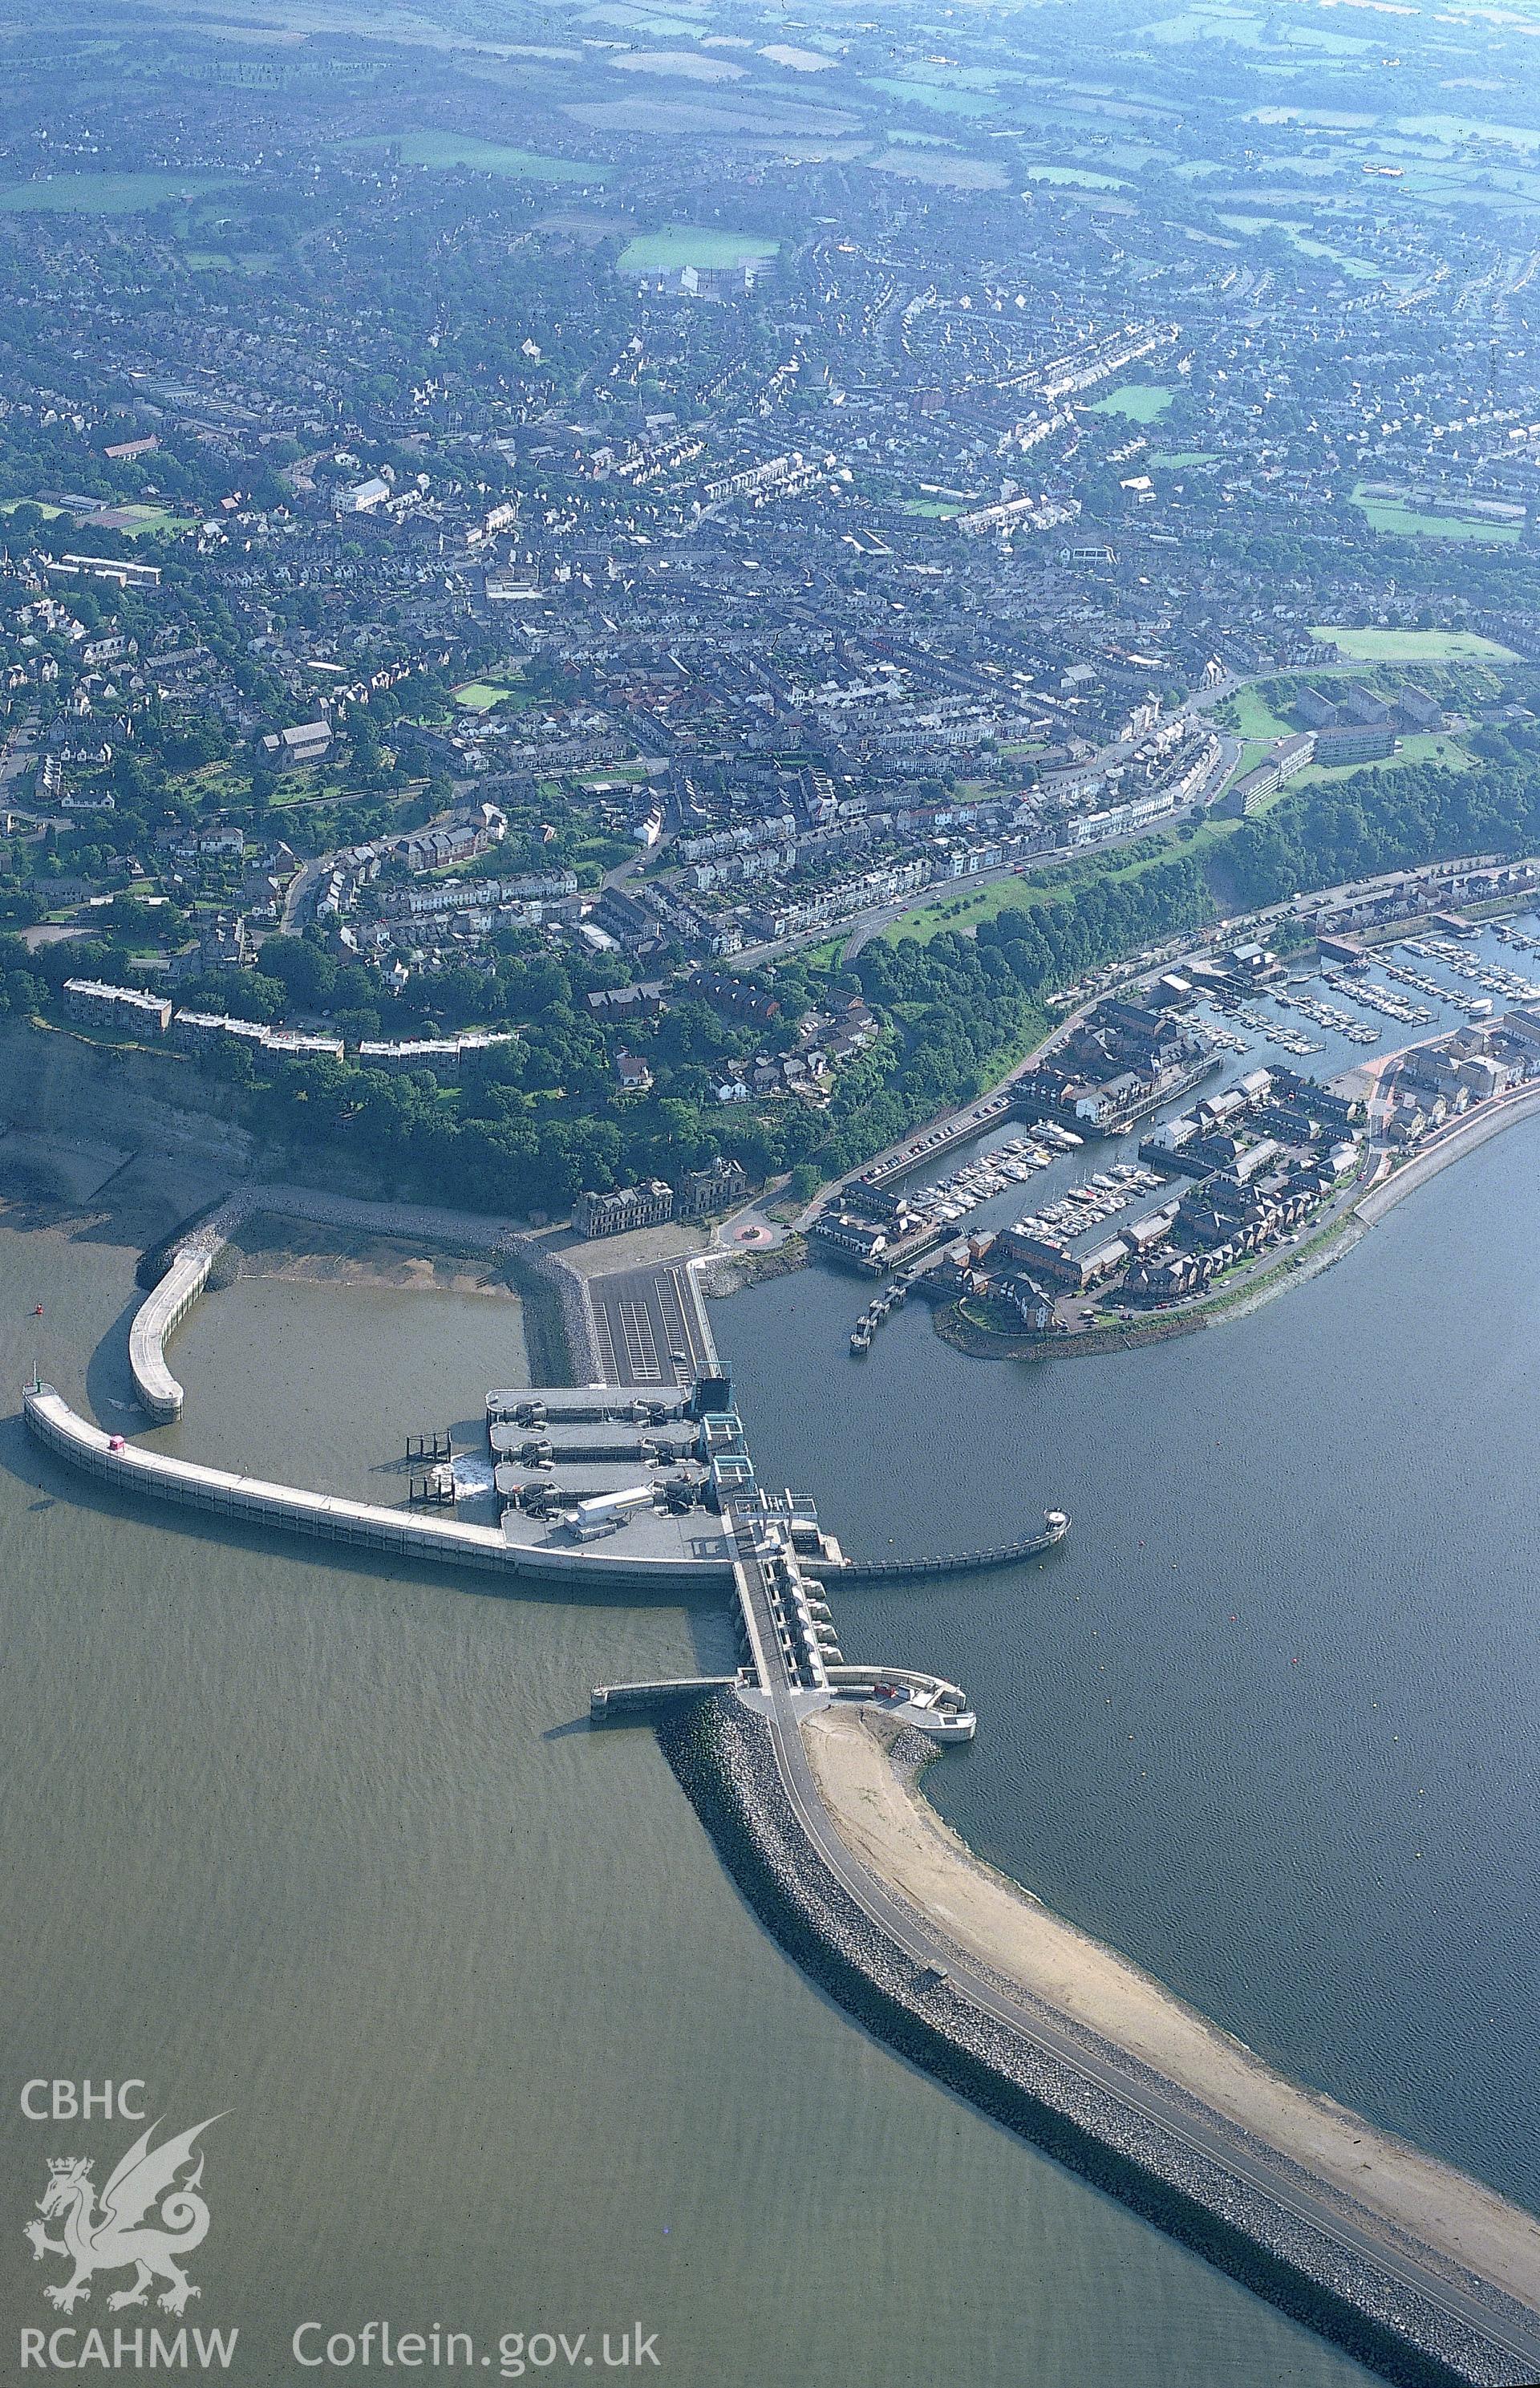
725	1761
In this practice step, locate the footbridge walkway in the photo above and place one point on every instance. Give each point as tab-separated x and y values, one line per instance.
1055	1526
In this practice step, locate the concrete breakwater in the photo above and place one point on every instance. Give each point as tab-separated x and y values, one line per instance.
1475	1128
397	1533
156	1319
1056	1526
192	1255
1394	2304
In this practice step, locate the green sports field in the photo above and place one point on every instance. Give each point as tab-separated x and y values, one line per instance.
430	148
1369	646
1140	401
659	252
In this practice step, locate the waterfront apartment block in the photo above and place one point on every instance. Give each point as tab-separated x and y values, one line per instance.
195	1032
98	1005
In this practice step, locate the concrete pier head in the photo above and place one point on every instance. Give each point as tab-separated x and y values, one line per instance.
158	1316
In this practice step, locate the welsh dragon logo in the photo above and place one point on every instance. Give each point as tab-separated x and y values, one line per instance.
144	2217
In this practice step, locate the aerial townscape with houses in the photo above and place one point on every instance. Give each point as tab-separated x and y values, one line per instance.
903	487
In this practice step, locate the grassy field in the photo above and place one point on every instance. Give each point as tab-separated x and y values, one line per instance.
591	856
480	695
1081	177
146	522
963	912
1255	750
430	148
1249	712
659	252
102	194
1388	514
1183	457
1369	646
1140	401
934	507
631	775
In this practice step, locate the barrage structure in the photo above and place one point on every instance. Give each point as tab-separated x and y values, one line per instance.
1421	2313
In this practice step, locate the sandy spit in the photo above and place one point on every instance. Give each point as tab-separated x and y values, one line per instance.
890	1825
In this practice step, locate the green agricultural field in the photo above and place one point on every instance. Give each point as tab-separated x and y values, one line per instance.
219	260
1369	646
1400	521
102	194
1082	178
940	96
430	148
1140	401
675	245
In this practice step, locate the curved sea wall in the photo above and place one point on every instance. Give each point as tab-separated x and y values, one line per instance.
724	1758
1476	1127
158	1316
193	1250
398	1533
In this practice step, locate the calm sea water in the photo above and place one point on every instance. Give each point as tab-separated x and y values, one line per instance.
1269	1721
332	1849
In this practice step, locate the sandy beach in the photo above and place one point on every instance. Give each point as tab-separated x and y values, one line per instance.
268	1244
888	1823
